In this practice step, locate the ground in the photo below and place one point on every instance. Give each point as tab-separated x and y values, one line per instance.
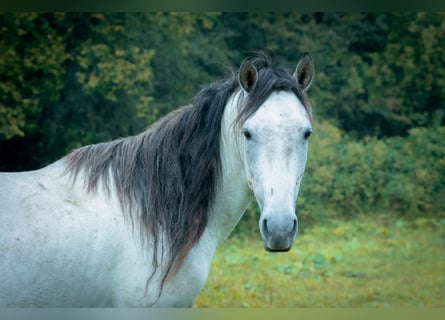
365	262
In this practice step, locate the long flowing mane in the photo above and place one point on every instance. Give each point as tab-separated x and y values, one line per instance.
166	177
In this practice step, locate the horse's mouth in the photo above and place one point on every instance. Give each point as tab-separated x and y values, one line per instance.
274	250
277	245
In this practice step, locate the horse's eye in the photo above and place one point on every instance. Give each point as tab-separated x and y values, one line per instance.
247	134
307	134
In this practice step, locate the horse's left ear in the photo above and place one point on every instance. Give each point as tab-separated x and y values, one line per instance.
248	75
304	73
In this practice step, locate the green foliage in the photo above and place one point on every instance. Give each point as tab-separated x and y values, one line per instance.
405	81
70	79
31	68
402	175
67	80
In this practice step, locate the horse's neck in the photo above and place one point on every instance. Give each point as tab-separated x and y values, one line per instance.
233	195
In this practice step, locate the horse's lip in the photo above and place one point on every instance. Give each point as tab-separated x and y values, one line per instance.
273	250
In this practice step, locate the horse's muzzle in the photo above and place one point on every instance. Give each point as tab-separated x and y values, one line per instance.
278	237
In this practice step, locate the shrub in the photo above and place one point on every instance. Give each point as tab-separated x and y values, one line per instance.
400	175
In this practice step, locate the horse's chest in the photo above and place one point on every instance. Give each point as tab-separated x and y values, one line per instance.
182	290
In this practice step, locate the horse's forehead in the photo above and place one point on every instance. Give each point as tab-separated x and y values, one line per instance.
281	108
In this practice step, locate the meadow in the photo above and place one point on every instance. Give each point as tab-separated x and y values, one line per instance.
364	262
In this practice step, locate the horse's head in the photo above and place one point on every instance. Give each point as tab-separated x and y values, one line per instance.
274	141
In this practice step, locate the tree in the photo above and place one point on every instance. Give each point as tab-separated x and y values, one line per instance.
384	73
406	80
68	80
31	70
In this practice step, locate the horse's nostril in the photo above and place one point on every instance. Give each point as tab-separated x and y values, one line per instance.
265	229
294	228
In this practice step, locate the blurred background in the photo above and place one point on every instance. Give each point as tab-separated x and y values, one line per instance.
378	98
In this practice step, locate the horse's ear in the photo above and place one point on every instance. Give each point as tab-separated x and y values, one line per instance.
247	75
304	73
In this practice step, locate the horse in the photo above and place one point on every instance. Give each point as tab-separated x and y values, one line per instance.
136	221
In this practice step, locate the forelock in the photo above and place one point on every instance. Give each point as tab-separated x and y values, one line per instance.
271	78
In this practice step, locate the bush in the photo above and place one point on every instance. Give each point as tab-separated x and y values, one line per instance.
400	175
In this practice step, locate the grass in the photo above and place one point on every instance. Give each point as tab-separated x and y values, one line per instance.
369	262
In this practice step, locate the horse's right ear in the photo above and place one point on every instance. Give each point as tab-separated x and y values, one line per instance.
247	76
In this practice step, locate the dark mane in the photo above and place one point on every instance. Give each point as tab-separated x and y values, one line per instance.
166	177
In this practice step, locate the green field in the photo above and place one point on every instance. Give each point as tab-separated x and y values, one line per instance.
368	262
